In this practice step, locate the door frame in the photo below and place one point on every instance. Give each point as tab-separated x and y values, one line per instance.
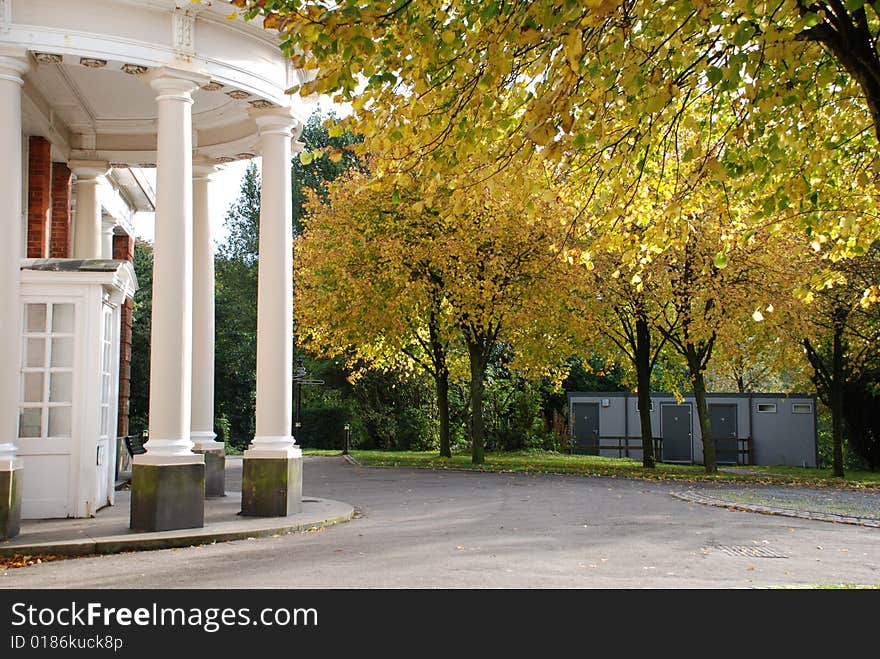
735	437
690	409
598	422
70	447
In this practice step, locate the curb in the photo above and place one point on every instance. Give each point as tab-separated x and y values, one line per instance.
352	460
773	510
148	541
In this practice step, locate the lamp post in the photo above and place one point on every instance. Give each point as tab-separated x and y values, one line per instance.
347	444
298	376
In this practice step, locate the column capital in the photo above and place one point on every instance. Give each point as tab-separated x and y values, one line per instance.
13	65
176	84
277	121
205	168
86	170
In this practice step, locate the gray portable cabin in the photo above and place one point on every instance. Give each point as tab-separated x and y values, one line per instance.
756	428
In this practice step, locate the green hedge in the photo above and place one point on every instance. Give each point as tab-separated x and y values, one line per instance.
323	427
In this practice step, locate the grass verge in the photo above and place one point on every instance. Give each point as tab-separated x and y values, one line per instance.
546	462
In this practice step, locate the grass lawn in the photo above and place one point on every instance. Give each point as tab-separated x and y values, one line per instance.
833	586
546	462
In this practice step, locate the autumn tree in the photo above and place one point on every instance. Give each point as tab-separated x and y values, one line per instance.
390	272
604	87
514	80
608	305
498	272
841	334
368	288
330	156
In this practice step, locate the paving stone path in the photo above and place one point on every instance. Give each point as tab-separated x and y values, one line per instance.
828	505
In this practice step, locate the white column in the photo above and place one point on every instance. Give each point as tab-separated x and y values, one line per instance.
171	334
275	291
87	224
11	71
107	239
203	312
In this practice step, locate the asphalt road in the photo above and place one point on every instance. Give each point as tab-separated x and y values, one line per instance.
448	529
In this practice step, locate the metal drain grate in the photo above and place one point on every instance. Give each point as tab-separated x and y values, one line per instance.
750	551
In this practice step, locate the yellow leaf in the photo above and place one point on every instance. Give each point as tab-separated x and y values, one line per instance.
232	16
574	49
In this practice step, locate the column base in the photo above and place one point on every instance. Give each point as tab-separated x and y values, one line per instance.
165	497
215	469
10	502
271	486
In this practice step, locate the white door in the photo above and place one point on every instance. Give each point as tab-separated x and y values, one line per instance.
45	425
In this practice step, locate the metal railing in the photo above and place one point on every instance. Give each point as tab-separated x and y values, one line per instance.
623	445
743	453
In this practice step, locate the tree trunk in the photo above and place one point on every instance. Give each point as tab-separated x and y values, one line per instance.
851	45
702	409
643	381
478	430
837	401
440	370
442	382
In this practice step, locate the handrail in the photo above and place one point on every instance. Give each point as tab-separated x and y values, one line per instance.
745	447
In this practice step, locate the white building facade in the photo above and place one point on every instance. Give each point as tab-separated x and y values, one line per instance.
92	92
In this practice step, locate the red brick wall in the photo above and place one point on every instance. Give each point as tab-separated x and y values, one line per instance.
124	370
39	192
59	244
123	250
123	247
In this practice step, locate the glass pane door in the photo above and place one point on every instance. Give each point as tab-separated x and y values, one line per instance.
106	361
46	396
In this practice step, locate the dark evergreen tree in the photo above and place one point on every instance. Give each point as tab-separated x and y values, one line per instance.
141	315
323	170
236	267
236	314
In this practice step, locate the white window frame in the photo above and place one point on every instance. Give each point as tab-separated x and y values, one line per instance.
808	406
106	429
758	407
46	369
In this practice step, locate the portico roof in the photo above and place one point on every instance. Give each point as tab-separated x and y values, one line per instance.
88	89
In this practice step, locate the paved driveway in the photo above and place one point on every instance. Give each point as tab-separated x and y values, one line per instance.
420	528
